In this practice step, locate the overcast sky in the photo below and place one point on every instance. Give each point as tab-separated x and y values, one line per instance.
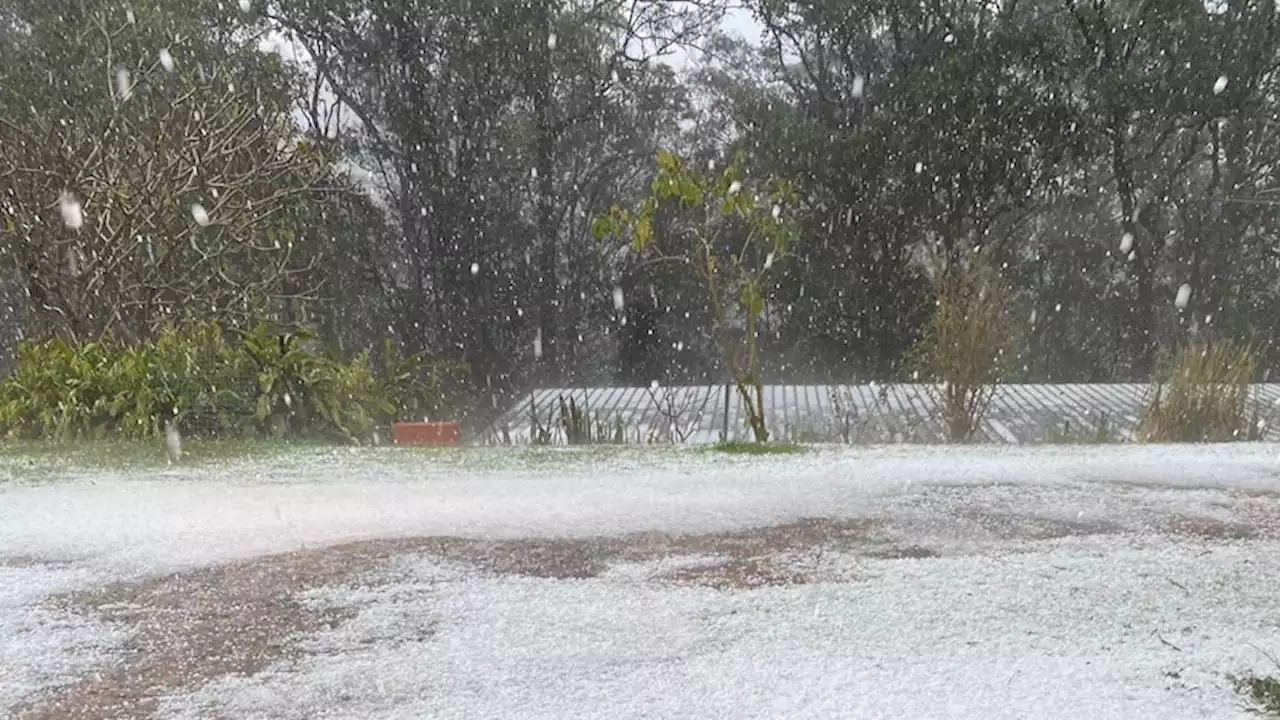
738	22
741	22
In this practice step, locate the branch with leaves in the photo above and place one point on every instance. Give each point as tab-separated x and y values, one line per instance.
732	233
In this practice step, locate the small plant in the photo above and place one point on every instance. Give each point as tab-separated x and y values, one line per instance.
540	433
575	425
874	423
968	346
804	433
757	448
575	421
1201	394
1101	431
674	424
844	410
732	235
1261	692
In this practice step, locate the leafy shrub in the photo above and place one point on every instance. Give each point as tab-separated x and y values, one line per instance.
757	448
1201	394
256	383
413	386
967	347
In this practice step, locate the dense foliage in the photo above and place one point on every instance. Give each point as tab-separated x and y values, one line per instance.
248	383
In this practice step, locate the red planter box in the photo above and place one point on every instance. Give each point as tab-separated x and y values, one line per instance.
426	433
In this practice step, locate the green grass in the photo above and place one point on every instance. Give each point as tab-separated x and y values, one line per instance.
753	448
37	460
48	462
1262	694
41	462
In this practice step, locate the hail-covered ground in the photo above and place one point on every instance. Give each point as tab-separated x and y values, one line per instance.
1112	582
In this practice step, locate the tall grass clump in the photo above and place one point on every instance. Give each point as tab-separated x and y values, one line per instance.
968	346
1201	394
576	425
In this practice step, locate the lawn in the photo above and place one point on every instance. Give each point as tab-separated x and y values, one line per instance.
300	581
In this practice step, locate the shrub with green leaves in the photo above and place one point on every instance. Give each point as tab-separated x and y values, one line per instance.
254	382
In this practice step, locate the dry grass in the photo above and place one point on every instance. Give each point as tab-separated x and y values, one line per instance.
968	346
1201	394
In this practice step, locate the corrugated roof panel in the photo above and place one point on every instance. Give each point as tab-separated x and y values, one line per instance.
905	412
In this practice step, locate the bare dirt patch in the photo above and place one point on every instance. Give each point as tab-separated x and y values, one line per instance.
755	557
1209	528
191	627
236	619
764	557
1014	526
741	573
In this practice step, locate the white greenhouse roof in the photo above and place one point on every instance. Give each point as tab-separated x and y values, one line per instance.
871	413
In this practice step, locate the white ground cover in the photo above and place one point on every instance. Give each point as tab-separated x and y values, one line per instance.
996	628
1071	630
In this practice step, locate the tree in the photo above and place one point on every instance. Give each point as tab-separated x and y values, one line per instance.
1153	80
730	235
494	131
913	129
178	182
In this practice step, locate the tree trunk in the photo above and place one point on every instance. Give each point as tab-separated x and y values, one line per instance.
548	251
1140	317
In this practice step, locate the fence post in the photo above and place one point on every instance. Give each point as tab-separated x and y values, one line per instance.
725	432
